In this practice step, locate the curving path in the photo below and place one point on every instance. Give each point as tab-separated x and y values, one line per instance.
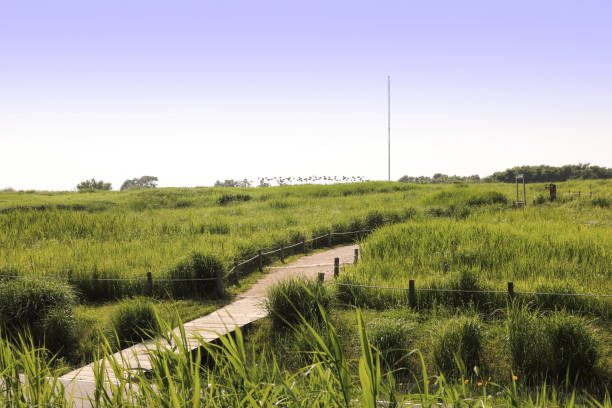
246	308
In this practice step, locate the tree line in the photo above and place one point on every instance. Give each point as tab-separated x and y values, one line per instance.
130	184
532	174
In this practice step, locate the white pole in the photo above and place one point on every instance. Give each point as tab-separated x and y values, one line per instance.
389	125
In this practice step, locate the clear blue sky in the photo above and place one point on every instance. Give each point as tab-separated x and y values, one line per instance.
194	91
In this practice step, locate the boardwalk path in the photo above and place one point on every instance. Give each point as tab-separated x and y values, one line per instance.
246	308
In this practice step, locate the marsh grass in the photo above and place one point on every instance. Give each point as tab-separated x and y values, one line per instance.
223	374
134	320
293	300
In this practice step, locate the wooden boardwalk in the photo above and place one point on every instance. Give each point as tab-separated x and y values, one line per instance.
246	308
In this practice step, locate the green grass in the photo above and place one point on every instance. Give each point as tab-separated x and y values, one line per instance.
445	236
563	247
225	375
127	234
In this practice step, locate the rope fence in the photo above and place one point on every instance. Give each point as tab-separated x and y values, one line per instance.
221	276
412	289
234	273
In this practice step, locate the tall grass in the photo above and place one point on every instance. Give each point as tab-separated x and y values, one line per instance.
224	374
543	249
127	234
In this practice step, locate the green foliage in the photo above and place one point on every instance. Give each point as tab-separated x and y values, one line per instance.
392	338
233	183
135	319
602	202
93	185
466	288
139	182
486	198
227	375
197	266
452	211
574	348
554	346
540	199
293	300
228	198
440	178
457	349
552	174
44	308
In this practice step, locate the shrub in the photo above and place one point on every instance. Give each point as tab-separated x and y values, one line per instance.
452	211
551	346
540	199
528	343
361	296
216	227
196	266
291	301
391	337
486	198
135	319
553	299
409	213
42	307
228	198
59	331
93	185
465	289
470	285
458	349
573	347
602	202
280	204
374	219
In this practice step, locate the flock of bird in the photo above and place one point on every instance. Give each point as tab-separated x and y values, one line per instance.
282	181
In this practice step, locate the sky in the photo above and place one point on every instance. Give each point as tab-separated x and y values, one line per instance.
198	91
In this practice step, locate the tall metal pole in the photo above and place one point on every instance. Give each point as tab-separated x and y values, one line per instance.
389	125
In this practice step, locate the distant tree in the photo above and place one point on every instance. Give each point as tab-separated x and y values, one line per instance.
139	182
440	178
93	185
545	173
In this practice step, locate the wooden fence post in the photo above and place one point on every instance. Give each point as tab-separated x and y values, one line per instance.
511	290
282	253
336	267
411	294
329	238
236	271
356	256
304	245
260	260
219	281
321	277
149	284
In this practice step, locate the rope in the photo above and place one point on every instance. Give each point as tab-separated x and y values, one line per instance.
314	239
469	291
248	260
564	294
229	272
270	252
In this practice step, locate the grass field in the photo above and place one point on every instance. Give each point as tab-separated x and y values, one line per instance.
127	234
457	237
